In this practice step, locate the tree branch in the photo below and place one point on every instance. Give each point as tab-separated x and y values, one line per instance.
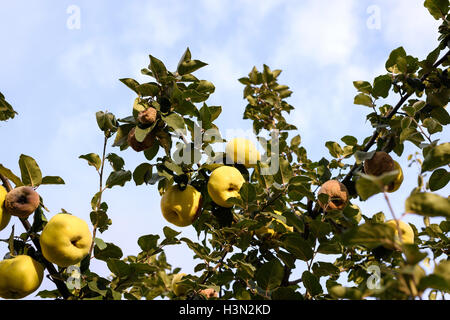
376	133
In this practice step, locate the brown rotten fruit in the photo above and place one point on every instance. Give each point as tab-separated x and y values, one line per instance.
22	201
140	146
209	293
380	163
147	116
337	195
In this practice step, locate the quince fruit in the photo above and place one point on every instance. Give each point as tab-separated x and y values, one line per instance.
4	216
225	183
19	277
65	240
181	207
242	151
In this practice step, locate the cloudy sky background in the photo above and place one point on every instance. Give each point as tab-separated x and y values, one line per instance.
57	78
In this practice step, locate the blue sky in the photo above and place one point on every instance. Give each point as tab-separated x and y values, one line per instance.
57	78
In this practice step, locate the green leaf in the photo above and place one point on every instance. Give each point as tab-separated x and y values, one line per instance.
11	176
106	121
284	172
39	220
142	173
130	83
122	134
411	134
95	199
30	172
295	142
119	267
118	178
322	269
176	122
368	185
329	247
382	85
6	110
334	148
437	8
111	251
157	67
396	61
94	286
439	179
428	204
140	134
49	294
247	192
270	275
285	293
311	283
363	86
100	219
434	281
186	65
100	243
349	140
439	280
150	89
215	112
93	159
116	161
205	116
437	157
148	242
170	233
433	126
52	180
294	243
341	292
441	115
370	235
413	254
364	100
151	152
205	86
293	220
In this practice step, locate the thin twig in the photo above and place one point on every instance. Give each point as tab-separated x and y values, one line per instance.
101	189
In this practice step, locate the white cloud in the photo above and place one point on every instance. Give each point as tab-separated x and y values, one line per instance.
410	25
160	23
91	62
325	36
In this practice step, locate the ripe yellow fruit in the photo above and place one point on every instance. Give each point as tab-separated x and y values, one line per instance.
181	208
406	230
225	183
268	232
4	216
177	288
19	277
65	240
337	195
398	179
243	151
